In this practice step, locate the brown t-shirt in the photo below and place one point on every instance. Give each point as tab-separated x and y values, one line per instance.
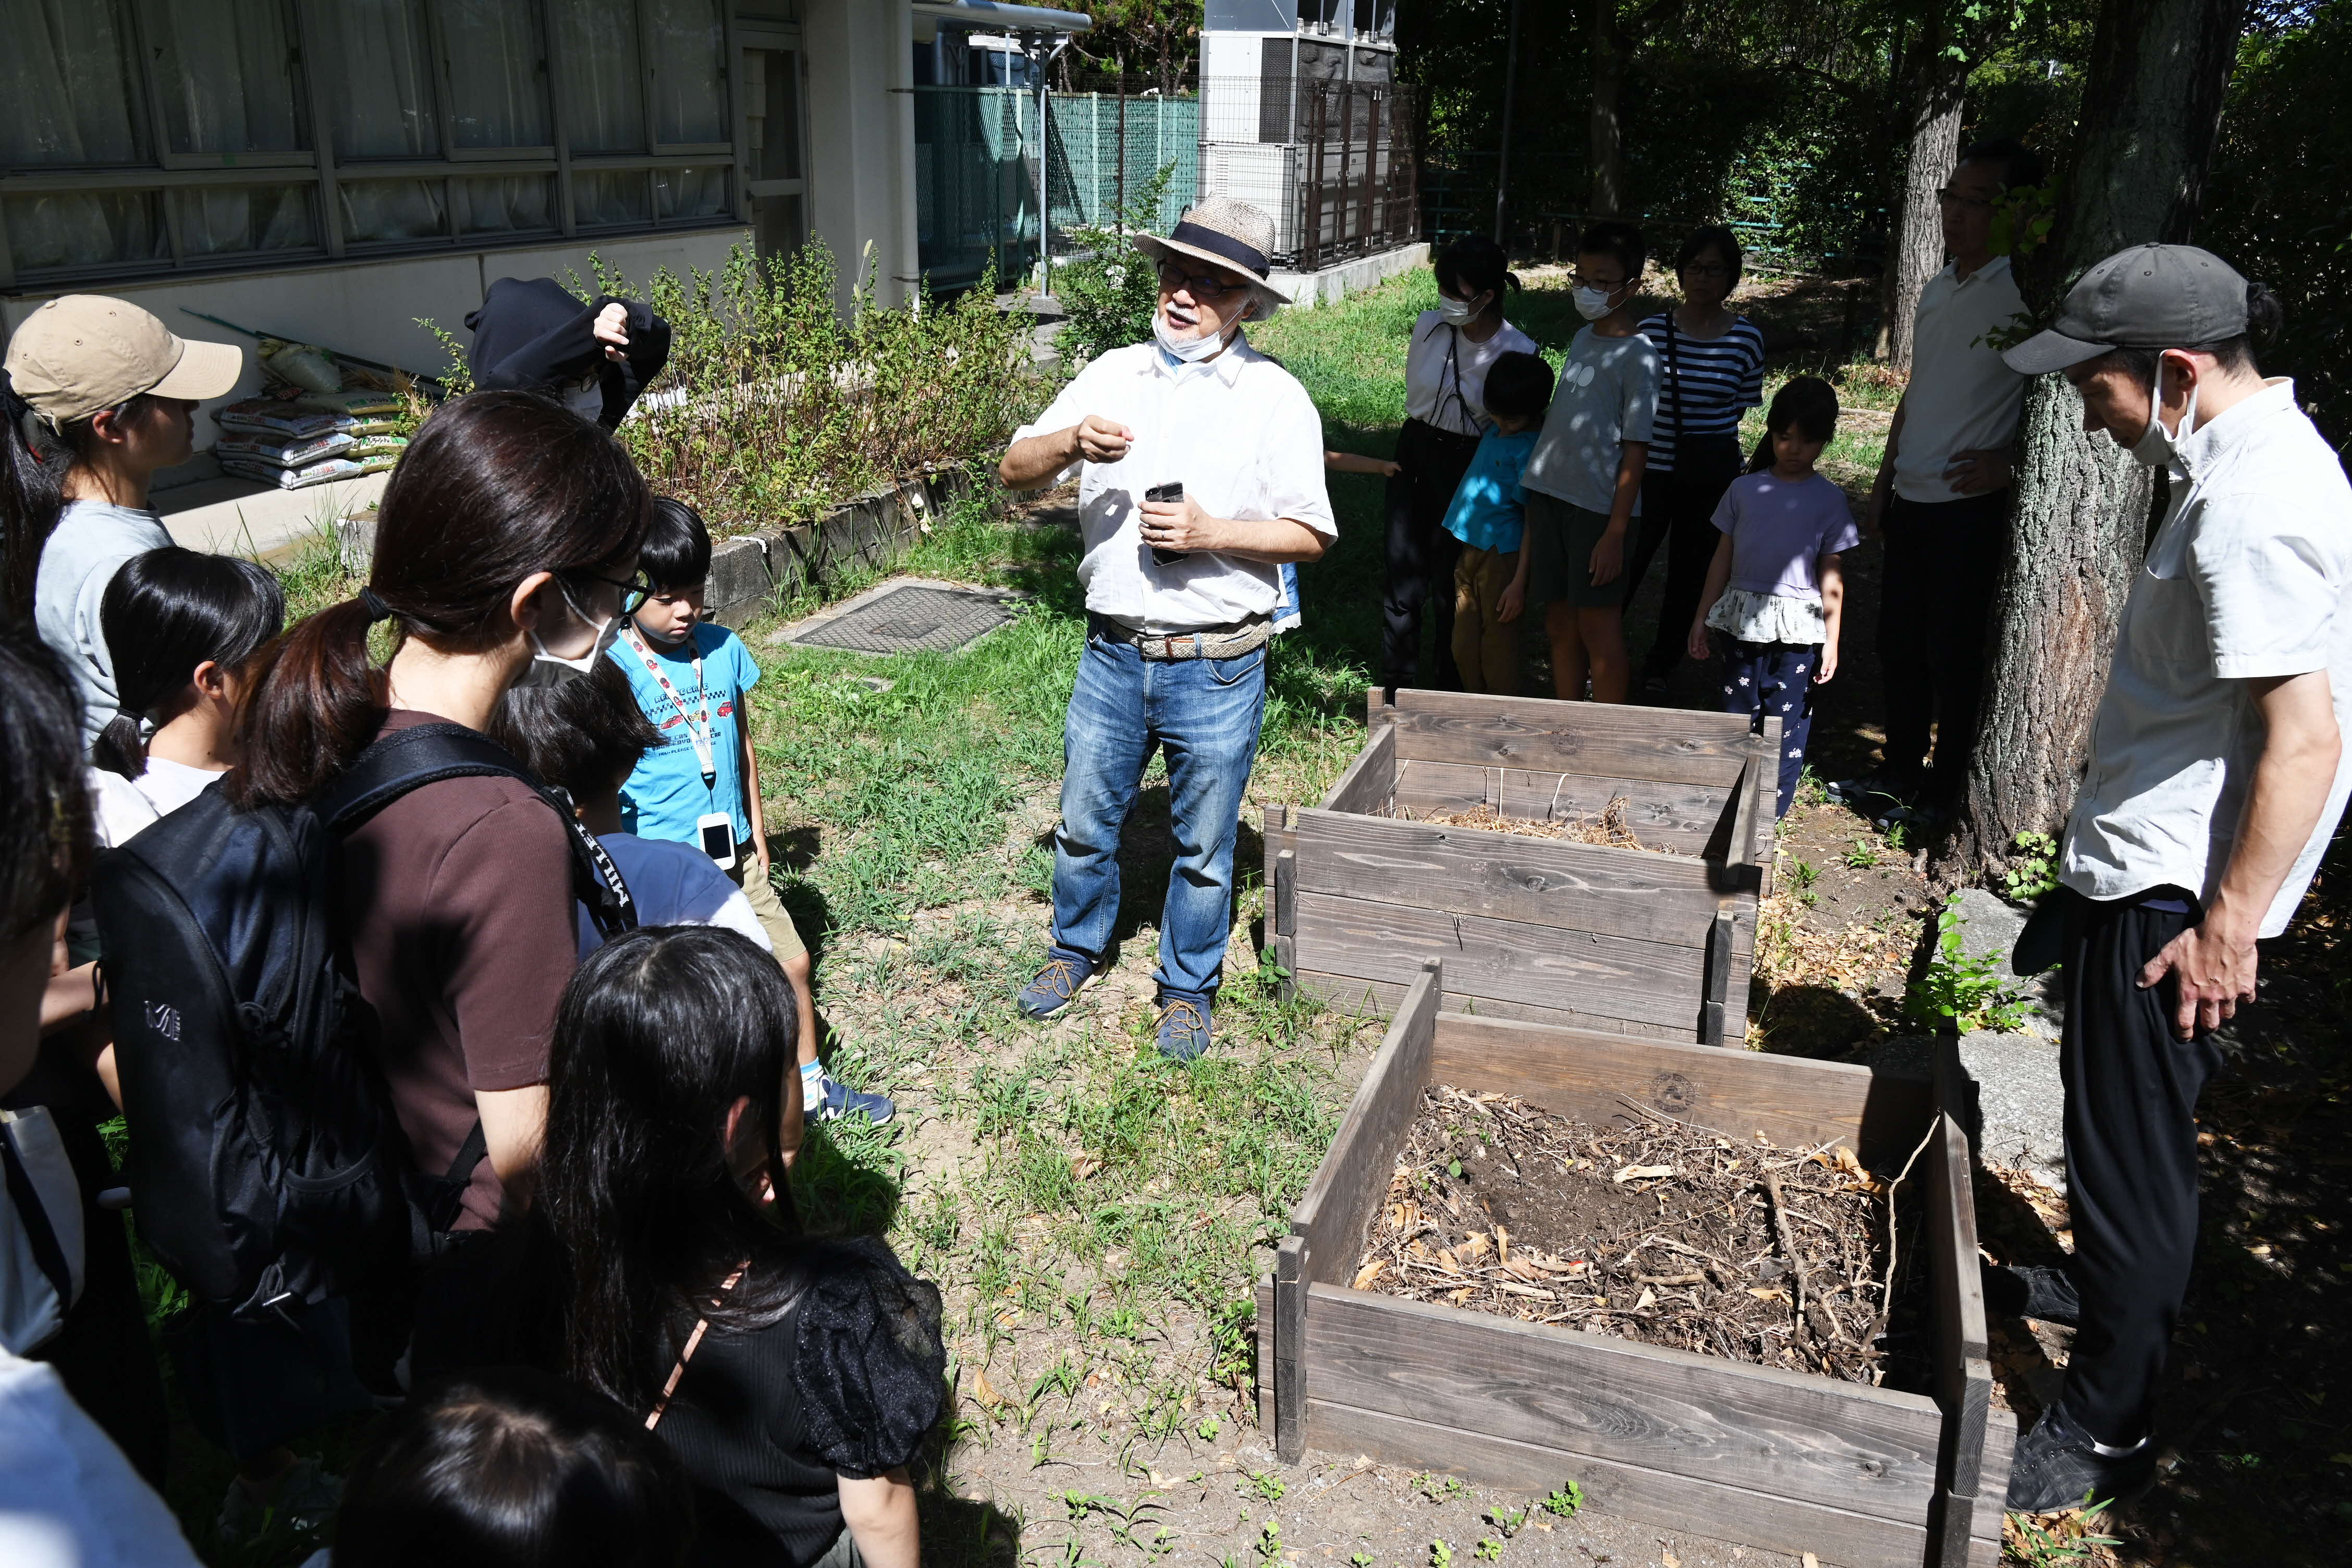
456	900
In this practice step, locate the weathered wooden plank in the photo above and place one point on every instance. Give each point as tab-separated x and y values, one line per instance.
1794	1102
1672	746
1276	836
1618	977
1681	817
1711	1506
1369	780
1266	1353
1963	1373
1366	998
1992	1486
1289	1347
1286	956
1554	882
1354	1175
1718	978
1741	850
1797	1435
1285	883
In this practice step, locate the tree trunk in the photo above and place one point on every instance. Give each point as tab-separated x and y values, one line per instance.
2152	107
1933	138
1605	130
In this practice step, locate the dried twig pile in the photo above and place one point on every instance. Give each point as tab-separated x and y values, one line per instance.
1608	826
1651	1230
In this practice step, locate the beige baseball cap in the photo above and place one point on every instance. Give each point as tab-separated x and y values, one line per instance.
81	352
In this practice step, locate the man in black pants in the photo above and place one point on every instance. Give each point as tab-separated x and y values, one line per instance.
2218	773
1941	502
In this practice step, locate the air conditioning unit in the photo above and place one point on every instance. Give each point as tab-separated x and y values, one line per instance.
1264	174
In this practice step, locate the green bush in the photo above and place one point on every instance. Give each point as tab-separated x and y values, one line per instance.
1110	290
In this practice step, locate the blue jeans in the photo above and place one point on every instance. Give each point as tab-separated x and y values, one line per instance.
1204	713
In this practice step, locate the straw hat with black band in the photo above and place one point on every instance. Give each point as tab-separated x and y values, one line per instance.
1226	233
79	354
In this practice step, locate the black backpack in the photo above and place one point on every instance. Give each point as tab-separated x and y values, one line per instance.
266	1167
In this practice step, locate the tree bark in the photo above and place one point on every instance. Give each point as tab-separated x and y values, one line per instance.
2152	109
1605	132
1933	139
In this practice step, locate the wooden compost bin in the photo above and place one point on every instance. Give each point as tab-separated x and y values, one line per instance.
1648	943
1785	1460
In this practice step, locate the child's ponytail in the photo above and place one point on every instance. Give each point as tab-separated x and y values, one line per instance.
166	611
31	497
1806	402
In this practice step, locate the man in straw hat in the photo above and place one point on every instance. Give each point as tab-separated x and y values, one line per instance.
2216	778
1180	596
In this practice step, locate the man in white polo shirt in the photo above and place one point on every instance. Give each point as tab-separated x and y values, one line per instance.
1941	502
2218	773
1180	591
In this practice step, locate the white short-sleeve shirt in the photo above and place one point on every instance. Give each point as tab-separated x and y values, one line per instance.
1445	372
2249	578
1961	398
1242	437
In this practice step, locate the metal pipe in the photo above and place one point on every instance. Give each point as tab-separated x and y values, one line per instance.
1045	152
1510	91
990	13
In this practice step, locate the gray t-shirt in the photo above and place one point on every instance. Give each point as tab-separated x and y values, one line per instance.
91	542
1607	396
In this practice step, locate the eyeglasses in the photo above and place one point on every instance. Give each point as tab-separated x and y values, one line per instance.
633	591
1952	198
1709	269
1583	279
1199	285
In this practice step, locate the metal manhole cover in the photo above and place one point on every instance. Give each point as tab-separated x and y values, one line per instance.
911	619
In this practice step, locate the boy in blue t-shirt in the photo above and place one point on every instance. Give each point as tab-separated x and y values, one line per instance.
701	784
1489	515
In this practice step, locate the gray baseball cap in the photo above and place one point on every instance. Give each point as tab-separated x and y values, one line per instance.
2149	297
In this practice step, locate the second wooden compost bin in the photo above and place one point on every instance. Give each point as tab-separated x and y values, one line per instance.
1789	1461
1657	940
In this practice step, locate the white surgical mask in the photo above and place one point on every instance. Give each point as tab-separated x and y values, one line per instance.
1592	304
550	668
1455	312
1192	351
2156	445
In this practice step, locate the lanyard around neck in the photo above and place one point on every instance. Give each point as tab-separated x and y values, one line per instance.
705	751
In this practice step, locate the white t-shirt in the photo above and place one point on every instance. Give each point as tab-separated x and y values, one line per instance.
1242	437
2250	577
1962	398
89	544
126	805
1445	372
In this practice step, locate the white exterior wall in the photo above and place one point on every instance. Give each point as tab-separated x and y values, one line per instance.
861	145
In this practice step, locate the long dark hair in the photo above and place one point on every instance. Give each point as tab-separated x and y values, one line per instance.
32	483
166	611
45	831
1805	402
659	1033
509	1467
495	486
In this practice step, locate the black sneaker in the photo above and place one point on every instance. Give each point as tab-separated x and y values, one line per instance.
2031	1292
2057	1468
1873	795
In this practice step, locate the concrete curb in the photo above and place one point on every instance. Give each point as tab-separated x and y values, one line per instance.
751	567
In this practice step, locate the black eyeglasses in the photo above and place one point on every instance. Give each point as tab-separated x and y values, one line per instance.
1583	279
1952	198
633	592
1708	270
1201	285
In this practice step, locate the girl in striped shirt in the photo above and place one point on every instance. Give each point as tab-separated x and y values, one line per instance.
1711	367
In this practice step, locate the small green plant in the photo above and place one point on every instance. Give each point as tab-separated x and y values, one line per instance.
2032	872
1898	837
1437	1489
1269	1541
1810	791
1440	1555
1564	1500
1862	857
1268	1487
1966	989
1209	1428
1489	1549
1269	974
1359	1560
1804	873
2072	1541
1510	1522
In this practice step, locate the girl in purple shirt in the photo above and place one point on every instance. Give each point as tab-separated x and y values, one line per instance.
1774	594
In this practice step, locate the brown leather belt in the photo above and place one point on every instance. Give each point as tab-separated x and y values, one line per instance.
1210	642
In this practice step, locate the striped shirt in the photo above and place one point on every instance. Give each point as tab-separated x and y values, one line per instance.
1702	384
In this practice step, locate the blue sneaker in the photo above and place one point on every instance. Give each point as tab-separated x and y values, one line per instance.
841	1101
1057	984
1183	1033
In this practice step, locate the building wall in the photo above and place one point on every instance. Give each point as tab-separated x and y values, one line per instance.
370	309
862	141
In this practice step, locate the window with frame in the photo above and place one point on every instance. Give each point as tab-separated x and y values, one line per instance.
141	137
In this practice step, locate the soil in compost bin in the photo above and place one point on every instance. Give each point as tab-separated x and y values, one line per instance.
1656	1231
1608	826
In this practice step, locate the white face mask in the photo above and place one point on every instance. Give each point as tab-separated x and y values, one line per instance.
1592	304
1192	351
548	668
1456	313
2157	446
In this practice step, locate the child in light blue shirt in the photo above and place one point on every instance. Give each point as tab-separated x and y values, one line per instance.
1489	515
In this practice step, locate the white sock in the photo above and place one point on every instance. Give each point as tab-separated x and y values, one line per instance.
811	1082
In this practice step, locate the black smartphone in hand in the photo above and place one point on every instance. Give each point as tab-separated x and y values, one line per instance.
1173	490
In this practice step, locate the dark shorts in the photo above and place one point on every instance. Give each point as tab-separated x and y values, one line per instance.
1561	538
